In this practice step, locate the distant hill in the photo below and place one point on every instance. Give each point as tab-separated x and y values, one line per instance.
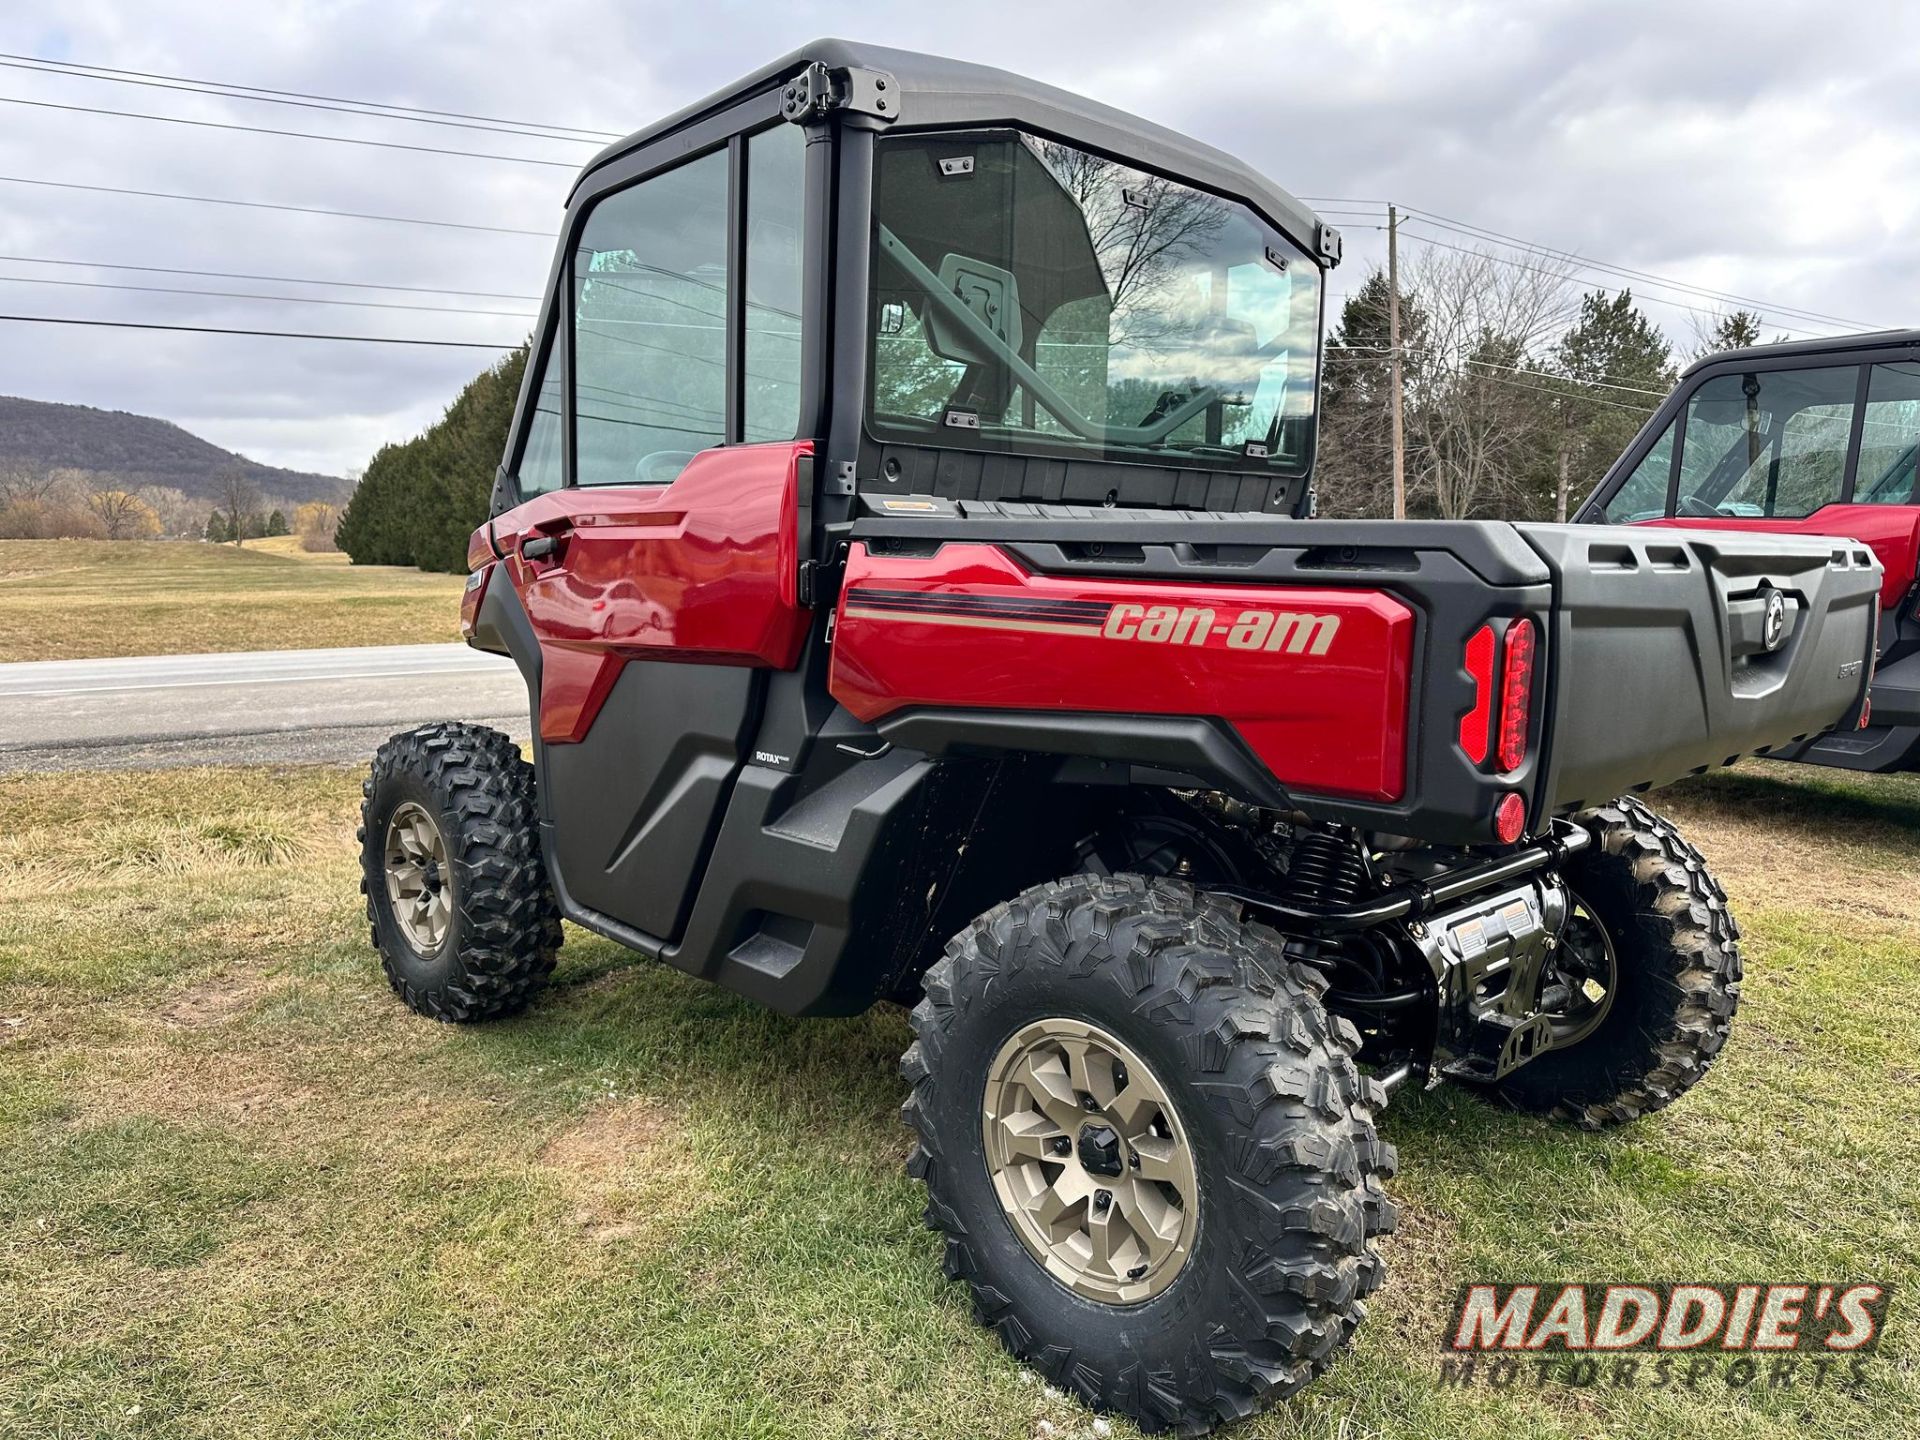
140	450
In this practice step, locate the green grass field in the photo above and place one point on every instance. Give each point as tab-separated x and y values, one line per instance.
244	1193
81	599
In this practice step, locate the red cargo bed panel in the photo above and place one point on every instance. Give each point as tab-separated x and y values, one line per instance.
1314	680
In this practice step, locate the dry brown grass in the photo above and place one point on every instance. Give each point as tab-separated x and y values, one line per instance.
82	599
244	1190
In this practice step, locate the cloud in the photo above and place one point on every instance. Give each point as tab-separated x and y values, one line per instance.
1761	150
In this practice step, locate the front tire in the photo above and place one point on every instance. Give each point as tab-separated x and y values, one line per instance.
1675	955
462	914
1254	1127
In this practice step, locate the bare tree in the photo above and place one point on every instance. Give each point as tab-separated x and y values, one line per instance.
21	482
123	513
1478	413
1142	227
239	497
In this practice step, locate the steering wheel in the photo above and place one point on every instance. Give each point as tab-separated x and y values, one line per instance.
1694	505
661	466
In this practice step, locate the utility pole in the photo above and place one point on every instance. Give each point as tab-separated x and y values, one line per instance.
1393	346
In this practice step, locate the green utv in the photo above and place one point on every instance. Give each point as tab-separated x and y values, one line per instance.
904	537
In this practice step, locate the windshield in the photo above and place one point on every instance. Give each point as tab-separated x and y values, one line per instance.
1029	295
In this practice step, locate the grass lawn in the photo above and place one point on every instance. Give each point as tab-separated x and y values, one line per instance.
244	1193
80	599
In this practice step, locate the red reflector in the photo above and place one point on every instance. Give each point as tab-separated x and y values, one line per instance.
1866	713
1509	819
1476	726
1516	695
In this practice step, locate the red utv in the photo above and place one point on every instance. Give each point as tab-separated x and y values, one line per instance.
903	536
1811	437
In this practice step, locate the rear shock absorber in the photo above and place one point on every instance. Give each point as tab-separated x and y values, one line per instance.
1326	869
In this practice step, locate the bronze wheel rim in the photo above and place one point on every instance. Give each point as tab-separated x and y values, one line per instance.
419	881
1090	1161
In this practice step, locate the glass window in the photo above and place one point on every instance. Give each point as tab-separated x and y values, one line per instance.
776	188
1026	290
1644	496
1890	437
1771	443
539	469
649	327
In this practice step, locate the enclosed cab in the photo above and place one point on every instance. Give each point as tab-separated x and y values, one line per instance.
1808	437
905	536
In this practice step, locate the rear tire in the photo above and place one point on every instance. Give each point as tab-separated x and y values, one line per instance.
462	914
1274	1123
1677	976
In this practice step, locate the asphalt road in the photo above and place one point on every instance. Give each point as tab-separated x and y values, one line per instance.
255	707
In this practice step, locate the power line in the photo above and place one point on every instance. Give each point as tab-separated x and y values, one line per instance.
1535	389
268	334
349	107
1464	227
1769	309
69	65
269	205
270	279
1384	351
289	134
1607	289
1641	410
244	295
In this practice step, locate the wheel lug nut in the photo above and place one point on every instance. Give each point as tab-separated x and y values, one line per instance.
1133	1158
1087	1102
1063	1146
1102	1199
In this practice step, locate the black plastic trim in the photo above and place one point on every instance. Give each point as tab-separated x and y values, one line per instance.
1199	747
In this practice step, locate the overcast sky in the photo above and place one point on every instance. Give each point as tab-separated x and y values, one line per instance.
1762	149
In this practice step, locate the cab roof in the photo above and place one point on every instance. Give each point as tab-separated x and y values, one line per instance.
938	92
1820	345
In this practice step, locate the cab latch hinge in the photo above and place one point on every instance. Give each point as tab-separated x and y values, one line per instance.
820	579
817	91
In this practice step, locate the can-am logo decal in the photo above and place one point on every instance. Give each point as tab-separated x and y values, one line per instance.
1288	632
1779	1334
1294	632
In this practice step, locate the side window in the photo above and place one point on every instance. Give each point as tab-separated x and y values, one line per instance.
776	180
1644	496
1890	437
649	327
539	469
1768	444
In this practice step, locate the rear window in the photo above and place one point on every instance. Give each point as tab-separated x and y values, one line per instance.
1031	296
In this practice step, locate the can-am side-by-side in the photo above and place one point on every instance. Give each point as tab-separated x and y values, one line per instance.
1807	437
904	539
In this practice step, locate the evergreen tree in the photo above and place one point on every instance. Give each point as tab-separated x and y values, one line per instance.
1617	366
217	529
421	500
1735	330
1354	468
277	523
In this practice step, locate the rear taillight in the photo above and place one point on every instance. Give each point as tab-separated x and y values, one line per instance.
1509	819
1516	695
1476	726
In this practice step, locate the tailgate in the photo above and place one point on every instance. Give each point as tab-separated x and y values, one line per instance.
1677	650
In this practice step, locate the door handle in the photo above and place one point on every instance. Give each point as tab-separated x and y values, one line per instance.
540	547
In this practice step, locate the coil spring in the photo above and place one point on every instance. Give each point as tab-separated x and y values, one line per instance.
1326	869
